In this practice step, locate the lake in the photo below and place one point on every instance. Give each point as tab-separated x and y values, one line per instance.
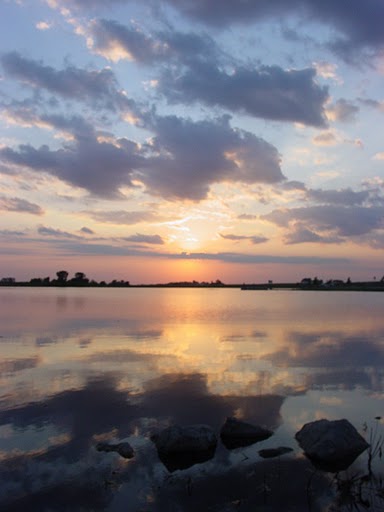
80	366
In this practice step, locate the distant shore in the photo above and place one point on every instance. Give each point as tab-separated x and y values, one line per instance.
377	286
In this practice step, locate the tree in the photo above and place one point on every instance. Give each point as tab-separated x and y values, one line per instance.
62	276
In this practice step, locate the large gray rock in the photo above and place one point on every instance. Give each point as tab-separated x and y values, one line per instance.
331	445
180	447
235	433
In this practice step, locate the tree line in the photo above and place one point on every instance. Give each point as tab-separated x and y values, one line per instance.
62	279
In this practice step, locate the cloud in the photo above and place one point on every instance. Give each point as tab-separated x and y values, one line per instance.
268	92
368	102
43	25
56	233
99	167
342	221
125	217
342	110
16	204
242	258
87	231
115	41
67	243
247	216
189	157
10	232
325	139
293	185
196	75
182	160
86	4
300	234
346	196
99	87
145	239
255	239
357	25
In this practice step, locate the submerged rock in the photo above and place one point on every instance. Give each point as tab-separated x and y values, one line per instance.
269	453
235	433
180	447
331	445
124	449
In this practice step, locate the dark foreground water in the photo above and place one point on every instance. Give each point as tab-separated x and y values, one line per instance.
82	366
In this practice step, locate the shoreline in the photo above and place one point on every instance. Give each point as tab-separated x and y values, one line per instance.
358	286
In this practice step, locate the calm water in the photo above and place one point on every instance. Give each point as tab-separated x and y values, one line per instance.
80	366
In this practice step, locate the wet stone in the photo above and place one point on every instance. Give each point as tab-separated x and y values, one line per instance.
124	449
180	447
331	445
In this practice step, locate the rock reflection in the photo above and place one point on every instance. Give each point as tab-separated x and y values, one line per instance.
186	399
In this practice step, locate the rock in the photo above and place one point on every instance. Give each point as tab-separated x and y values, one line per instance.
331	445
269	453
124	449
180	447
235	433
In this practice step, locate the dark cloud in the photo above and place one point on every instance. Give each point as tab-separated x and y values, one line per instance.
189	157
344	221
268	92
76	125
300	234
98	87
10	232
255	239
114	40
293	185
56	233
87	231
346	196
183	159
16	204
358	25
99	167
145	239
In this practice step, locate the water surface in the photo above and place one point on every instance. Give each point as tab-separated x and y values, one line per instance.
80	366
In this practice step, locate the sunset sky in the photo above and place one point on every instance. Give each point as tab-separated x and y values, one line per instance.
172	140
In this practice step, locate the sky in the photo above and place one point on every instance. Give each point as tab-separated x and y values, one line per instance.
172	140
